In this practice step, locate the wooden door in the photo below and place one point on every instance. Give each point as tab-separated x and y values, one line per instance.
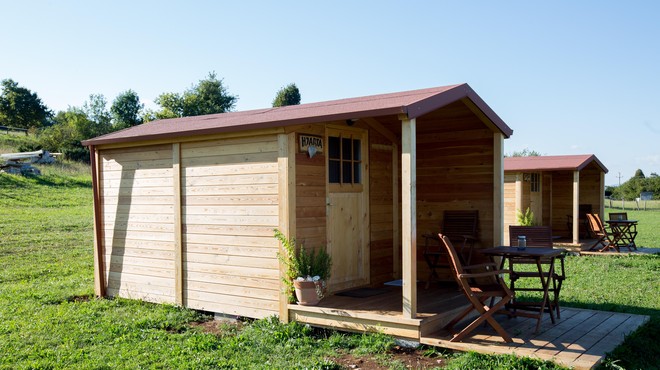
536	197
347	207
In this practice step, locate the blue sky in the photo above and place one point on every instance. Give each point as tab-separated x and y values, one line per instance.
569	77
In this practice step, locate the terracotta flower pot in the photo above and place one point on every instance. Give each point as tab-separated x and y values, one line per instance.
307	292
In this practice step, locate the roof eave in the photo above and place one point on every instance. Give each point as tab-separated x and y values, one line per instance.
252	126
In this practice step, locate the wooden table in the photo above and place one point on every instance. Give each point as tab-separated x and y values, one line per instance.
536	254
626	231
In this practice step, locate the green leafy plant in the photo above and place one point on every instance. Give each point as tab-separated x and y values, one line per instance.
301	262
525	218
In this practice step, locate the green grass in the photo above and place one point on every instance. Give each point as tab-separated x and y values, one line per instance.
10	142
51	320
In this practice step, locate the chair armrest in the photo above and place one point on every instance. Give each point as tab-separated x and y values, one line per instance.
483	274
472	267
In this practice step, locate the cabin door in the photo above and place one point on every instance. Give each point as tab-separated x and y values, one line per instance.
347	207
536	198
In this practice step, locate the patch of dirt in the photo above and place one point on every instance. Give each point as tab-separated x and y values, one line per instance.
217	326
79	298
411	358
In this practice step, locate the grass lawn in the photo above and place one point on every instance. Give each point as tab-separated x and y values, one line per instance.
51	320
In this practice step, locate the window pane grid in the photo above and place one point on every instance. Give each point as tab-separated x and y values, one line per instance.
344	160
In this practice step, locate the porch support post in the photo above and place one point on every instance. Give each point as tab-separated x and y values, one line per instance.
408	216
498	185
286	199
99	235
601	186
178	228
576	202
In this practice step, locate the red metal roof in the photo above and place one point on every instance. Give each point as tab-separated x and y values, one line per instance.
551	163
411	103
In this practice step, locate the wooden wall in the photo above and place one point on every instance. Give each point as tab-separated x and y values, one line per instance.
311	200
381	209
509	203
590	187
510	211
229	198
137	195
454	172
546	188
311	193
562	195
229	208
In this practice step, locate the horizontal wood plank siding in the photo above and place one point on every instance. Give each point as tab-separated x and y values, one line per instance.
310	191
229	210
454	172
381	209
509	203
138	215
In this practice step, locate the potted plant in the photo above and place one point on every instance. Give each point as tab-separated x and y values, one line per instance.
525	218
307	271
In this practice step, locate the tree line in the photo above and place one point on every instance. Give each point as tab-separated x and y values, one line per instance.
636	185
63	131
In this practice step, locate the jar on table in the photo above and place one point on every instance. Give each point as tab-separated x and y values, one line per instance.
522	242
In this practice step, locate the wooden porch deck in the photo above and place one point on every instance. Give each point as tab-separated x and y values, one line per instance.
383	312
580	339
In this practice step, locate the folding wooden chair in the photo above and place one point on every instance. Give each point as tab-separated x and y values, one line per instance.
478	294
461	228
537	237
608	239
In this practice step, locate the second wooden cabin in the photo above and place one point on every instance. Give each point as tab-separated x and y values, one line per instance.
559	190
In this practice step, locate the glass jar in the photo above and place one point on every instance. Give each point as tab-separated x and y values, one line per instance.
522	242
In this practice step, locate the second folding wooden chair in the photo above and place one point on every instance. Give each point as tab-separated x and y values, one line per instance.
607	238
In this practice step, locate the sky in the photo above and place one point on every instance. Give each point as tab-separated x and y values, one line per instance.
569	77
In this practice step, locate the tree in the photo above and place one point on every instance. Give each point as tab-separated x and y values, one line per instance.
639	174
524	153
98	115
288	95
209	96
126	110
71	126
19	107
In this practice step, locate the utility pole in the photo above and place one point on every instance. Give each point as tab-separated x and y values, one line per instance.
623	202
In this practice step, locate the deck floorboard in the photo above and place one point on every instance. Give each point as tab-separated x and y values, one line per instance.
580	339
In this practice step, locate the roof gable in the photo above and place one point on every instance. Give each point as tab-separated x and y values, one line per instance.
413	103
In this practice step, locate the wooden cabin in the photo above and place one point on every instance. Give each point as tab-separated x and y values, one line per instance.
185	208
559	190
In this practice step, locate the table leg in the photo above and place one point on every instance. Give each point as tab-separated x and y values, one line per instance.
545	282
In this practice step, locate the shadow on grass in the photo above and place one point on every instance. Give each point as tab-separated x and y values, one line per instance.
62	182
